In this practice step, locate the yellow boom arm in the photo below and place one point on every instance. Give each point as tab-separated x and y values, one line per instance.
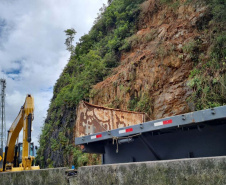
23	120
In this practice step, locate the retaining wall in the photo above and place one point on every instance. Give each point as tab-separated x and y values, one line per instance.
206	171
53	176
187	171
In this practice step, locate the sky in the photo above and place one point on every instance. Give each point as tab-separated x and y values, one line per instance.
32	49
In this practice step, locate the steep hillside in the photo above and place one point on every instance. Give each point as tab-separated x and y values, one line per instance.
163	57
175	38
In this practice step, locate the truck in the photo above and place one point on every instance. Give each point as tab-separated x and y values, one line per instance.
191	135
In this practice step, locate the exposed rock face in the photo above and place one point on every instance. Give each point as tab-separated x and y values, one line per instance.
159	62
172	42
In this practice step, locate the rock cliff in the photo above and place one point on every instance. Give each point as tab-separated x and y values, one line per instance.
160	61
161	57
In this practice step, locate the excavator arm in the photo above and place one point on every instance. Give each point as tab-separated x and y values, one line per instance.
13	134
23	120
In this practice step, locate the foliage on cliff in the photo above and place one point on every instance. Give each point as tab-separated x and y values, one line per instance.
91	60
99	52
208	78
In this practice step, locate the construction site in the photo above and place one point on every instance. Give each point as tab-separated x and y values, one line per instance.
141	98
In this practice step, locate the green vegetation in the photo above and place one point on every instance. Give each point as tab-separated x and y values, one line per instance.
171	3
141	104
208	79
70	37
129	43
90	62
98	52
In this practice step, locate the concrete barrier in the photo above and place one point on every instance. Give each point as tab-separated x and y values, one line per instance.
206	171
52	176
187	171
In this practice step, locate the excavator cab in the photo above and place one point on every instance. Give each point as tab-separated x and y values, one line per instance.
18	153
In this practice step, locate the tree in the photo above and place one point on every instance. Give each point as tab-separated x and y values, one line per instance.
109	2
70	33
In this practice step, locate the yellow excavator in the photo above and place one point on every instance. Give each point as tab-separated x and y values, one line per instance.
23	120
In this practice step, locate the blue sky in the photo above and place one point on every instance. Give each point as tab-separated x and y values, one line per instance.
32	50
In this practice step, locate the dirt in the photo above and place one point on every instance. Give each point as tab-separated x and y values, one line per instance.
159	64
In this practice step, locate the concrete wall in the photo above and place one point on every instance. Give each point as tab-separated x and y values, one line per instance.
199	171
35	177
187	171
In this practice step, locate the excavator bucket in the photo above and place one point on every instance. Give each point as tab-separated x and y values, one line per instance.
1	159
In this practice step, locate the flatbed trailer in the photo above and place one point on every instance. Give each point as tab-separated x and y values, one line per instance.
196	134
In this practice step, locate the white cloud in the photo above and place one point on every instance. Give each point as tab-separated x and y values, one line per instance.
32	50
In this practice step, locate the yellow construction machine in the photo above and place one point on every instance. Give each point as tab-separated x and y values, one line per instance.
23	120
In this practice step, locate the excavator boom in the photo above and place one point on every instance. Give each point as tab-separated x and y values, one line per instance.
23	120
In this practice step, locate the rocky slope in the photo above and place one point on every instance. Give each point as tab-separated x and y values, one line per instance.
158	65
162	57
